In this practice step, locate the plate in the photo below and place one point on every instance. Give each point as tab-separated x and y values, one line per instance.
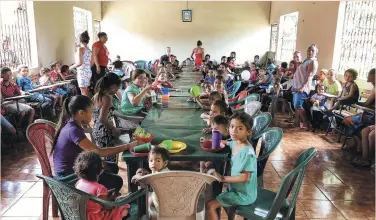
138	154
177	147
206	145
245	75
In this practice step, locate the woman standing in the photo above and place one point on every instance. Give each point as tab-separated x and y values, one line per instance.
99	59
82	64
198	52
301	84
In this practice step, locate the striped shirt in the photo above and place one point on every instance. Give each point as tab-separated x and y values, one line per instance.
302	78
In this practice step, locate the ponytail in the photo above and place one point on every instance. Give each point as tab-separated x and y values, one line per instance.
105	84
70	108
64	116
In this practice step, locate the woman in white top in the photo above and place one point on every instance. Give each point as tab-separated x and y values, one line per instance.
82	64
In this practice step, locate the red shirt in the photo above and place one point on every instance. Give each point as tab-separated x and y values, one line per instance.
10	90
54	75
102	54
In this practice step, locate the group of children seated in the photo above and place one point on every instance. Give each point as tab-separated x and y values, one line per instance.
48	100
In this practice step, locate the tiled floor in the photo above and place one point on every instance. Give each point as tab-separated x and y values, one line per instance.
333	188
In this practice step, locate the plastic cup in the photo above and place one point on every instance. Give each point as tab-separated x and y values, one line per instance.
216	139
164	91
167	144
143	148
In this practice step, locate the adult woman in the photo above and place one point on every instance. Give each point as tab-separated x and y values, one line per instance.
99	59
198	52
82	64
301	84
133	97
70	140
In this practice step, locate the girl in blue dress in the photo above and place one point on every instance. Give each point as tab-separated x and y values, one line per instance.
242	184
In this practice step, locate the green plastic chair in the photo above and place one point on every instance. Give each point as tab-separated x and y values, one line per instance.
270	205
252	108
251	97
232	90
270	140
141	64
260	123
72	202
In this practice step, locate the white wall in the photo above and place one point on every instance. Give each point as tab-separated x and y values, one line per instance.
143	29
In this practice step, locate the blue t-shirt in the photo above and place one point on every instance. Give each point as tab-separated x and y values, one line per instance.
210	79
25	83
67	148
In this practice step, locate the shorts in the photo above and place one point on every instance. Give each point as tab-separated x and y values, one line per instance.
12	108
298	99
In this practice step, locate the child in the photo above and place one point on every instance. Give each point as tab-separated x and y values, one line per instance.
10	89
242	184
25	84
253	75
162	81
199	97
214	95
270	66
256	60
45	80
158	161
331	84
64	73
274	88
88	166
283	68
104	130
210	77
218	107
317	101
288	74
118	70
350	90
205	71
219	87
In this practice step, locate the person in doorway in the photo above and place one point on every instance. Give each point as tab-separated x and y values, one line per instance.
99	59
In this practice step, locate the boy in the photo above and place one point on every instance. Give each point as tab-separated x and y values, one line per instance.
220	123
158	161
55	71
10	89
118	70
25	84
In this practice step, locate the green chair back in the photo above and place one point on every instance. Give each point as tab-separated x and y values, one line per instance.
260	123
292	183
252	97
141	64
72	202
234	89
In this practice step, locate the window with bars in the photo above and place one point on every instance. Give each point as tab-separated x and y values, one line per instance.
82	22
358	39
273	37
97	29
287	34
15	34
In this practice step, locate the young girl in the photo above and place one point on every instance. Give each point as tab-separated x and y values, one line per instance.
214	95
218	107
350	91
219	87
317	101
162	81
104	130
242	184
88	166
210	77
70	140
45	80
253	76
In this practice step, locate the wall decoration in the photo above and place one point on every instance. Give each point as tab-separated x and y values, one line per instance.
187	15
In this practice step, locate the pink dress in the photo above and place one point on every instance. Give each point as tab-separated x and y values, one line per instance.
94	210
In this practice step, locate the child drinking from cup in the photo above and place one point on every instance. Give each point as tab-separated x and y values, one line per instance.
242	184
88	166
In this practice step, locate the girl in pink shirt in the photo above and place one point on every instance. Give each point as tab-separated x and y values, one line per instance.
88	166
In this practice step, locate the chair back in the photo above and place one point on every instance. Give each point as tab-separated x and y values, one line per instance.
252	108
253	97
177	192
41	135
260	123
291	183
71	201
140	64
270	140
234	89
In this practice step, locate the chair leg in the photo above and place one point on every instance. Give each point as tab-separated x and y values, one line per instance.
231	213
46	201
292	216
54	207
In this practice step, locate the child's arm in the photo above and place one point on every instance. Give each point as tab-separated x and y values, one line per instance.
353	89
242	178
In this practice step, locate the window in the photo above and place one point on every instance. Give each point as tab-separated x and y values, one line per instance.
15	34
97	29
357	48
273	37
287	33
82	22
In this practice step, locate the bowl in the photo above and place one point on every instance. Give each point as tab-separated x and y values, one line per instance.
144	140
